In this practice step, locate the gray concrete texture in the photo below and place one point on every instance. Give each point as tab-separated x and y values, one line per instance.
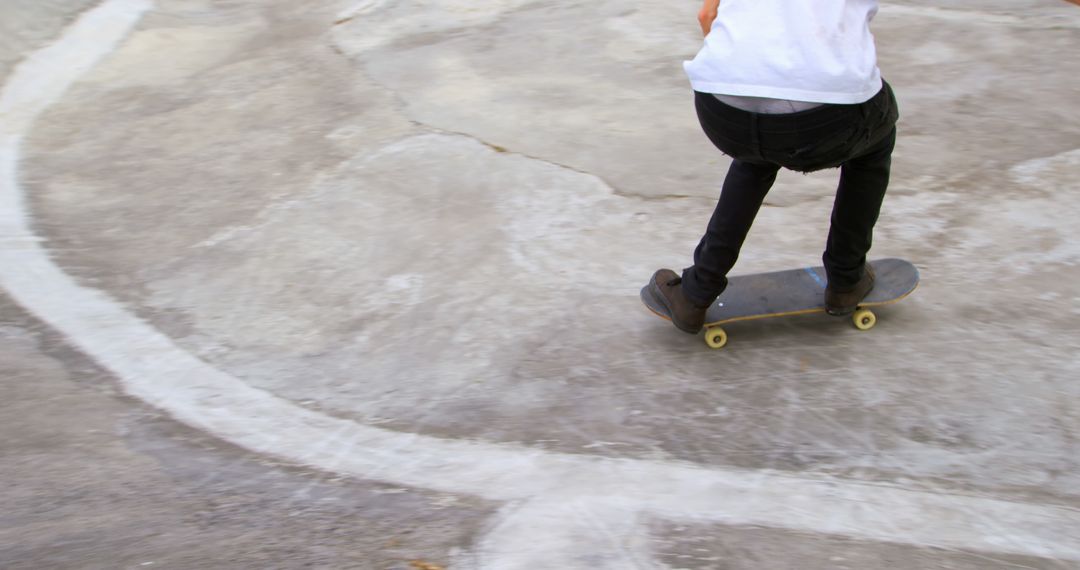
27	25
433	217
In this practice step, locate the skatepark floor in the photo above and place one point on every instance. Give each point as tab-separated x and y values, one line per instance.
353	284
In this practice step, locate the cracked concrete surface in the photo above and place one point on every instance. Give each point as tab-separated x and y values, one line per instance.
117	485
434	217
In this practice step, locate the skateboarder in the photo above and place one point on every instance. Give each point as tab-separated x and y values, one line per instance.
792	84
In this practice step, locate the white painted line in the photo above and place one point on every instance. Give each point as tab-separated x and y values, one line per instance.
45	75
609	534
580	502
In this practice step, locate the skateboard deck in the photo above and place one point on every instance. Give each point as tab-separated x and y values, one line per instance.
795	292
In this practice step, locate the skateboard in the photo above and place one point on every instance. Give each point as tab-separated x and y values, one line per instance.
794	292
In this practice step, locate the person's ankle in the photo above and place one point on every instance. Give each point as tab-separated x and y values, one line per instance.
843	300
687	315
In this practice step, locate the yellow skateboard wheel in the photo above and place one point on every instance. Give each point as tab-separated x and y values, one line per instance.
864	319
715	337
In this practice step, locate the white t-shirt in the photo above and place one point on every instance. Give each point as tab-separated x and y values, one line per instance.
820	51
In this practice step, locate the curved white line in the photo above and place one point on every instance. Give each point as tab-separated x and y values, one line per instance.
153	368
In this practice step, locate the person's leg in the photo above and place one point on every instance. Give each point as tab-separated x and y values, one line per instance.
859	195
744	190
685	299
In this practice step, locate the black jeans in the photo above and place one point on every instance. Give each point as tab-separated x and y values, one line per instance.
857	138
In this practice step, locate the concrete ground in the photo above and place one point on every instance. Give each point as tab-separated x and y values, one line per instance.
354	285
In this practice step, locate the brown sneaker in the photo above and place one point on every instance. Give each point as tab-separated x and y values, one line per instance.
841	302
666	288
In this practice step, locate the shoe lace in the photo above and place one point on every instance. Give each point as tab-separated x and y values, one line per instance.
674	282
